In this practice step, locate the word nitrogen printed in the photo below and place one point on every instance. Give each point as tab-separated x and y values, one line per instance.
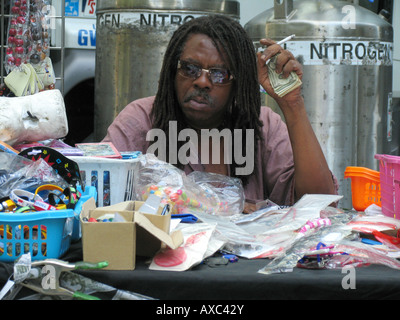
217	309
188	152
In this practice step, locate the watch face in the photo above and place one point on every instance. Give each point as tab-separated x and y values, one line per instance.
65	167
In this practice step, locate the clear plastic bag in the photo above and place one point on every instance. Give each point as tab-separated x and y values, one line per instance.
17	172
288	260
341	246
270	231
273	220
182	192
194	249
229	191
348	253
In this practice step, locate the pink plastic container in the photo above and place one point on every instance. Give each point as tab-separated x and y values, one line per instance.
389	168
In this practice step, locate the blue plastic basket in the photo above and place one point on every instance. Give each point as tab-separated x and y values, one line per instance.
90	192
45	234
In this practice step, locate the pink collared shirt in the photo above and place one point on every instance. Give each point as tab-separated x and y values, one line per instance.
273	175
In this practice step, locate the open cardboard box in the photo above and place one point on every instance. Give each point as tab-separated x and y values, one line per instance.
118	243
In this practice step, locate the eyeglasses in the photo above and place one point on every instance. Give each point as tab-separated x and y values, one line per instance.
218	76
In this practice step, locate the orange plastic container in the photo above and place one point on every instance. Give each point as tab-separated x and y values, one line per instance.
365	187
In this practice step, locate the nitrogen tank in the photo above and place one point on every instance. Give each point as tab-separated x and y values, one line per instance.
132	36
347	57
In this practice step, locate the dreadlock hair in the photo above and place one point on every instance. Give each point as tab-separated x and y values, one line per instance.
232	42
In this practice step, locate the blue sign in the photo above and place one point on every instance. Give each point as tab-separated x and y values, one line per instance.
71	8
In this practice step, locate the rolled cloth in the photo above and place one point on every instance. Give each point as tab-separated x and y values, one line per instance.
36	117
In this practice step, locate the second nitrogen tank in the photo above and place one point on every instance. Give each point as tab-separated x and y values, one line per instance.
347	57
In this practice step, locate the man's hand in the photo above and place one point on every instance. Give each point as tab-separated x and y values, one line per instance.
312	174
285	64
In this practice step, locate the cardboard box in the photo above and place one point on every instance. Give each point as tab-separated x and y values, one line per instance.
118	243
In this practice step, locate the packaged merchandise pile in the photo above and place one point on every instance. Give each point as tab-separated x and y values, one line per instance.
41	198
187	219
190	220
206	209
38	209
311	234
197	192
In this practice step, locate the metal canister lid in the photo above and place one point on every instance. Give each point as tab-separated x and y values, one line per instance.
228	7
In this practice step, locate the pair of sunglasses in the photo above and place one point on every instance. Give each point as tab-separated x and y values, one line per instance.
218	76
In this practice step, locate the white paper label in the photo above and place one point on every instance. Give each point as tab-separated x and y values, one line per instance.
315	53
144	19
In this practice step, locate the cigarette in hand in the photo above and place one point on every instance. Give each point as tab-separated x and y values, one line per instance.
286	39
282	42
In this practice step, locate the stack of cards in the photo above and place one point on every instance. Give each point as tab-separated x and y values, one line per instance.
99	149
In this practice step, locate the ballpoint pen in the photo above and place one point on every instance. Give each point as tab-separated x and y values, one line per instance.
165	210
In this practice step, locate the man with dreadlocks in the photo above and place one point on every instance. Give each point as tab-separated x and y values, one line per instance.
210	79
